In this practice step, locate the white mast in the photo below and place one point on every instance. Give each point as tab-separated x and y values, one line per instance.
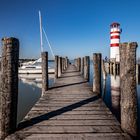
48	42
41	41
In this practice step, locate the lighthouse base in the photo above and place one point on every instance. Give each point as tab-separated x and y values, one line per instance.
114	54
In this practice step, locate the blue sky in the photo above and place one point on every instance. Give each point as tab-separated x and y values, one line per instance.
74	27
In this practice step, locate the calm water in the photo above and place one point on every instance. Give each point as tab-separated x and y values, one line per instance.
111	94
30	92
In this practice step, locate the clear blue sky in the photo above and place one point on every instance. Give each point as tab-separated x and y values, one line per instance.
74	27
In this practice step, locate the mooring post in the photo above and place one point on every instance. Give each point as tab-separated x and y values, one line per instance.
82	66
45	82
114	67
56	66
128	87
111	68
103	70
59	71
59	66
75	63
79	64
118	68
97	72
66	62
9	86
63	64
86	68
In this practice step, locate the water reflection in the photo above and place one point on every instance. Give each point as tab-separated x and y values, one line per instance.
29	92
31	79
115	94
28	96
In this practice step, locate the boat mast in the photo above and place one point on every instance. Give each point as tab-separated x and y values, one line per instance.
40	22
48	42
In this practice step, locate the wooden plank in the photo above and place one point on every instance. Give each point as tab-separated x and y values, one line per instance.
66	117
83	136
72	129
70	111
97	114
79	122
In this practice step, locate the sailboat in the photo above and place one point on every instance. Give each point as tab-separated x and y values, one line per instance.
35	67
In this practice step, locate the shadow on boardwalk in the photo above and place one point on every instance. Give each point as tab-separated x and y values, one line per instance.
60	111
72	84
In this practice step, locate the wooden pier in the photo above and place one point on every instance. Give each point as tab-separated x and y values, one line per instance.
70	110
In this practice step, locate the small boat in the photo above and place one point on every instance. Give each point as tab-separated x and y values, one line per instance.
33	69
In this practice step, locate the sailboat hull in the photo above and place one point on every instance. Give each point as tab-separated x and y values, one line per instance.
34	71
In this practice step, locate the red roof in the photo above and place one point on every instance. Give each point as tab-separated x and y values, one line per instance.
115	23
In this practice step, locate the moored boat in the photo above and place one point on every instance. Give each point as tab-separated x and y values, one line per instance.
33	69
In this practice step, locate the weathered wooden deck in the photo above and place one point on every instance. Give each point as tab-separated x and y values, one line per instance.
70	111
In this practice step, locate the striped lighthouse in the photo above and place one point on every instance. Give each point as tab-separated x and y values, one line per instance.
114	41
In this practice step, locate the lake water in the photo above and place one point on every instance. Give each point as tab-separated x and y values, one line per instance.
30	92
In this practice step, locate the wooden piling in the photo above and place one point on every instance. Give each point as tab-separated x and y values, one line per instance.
103	70
82	66
75	62
97	72
111	68
66	62
63	64
56	66
86	68
59	66
79	64
45	77
114	67
128	87
9	86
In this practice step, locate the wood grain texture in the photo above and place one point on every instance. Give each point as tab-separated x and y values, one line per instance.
70	111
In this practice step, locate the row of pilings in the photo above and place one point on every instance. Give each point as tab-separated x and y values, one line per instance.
61	64
83	66
9	82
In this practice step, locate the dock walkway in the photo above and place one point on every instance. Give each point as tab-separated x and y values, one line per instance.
70	111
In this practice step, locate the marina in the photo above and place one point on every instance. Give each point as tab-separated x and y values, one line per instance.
71	92
69	70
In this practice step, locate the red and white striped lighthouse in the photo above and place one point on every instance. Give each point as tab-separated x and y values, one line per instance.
115	41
